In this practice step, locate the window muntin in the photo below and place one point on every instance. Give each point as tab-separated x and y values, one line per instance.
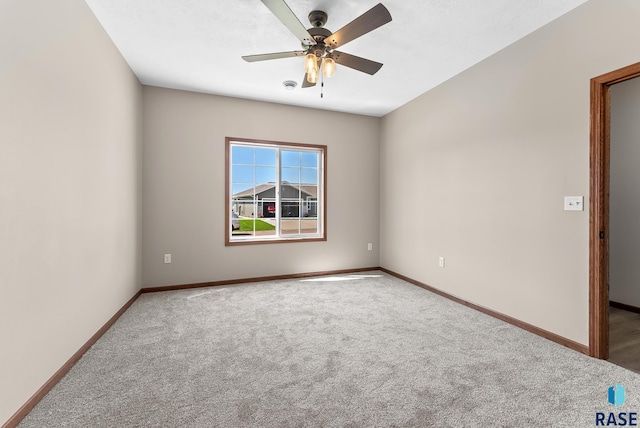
275	191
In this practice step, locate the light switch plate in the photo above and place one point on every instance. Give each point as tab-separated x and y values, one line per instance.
574	203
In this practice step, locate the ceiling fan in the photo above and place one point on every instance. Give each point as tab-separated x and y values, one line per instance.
319	44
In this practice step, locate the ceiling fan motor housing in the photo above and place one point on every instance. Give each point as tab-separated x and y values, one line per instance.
320	48
318	18
319	34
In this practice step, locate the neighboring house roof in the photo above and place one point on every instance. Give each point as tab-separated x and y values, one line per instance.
258	189
308	189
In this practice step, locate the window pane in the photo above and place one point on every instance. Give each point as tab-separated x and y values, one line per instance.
242	155
242	189
265	227
309	225
265	175
309	176
245	223
290	158
242	174
291	175
290	208
266	156
311	205
267	209
243	207
289	192
310	159
290	226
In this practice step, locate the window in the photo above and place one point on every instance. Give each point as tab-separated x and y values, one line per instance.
275	192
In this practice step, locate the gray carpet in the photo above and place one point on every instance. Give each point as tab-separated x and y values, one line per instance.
364	351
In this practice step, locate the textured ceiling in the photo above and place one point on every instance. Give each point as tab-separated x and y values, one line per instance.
197	45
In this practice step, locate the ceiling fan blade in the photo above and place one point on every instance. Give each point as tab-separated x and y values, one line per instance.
355	62
375	17
282	11
305	82
275	55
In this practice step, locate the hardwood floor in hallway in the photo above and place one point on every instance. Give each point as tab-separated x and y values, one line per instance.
624	338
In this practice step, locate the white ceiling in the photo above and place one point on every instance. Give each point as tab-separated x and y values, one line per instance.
197	45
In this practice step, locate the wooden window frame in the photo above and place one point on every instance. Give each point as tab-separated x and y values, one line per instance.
322	194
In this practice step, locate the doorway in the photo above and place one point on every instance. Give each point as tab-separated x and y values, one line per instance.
599	207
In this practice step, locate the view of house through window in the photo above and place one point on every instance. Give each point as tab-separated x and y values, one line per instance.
276	191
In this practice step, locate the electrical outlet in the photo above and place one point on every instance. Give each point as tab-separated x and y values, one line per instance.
441	262
167	258
369	246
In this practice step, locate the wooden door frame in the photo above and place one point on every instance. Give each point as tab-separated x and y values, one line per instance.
599	207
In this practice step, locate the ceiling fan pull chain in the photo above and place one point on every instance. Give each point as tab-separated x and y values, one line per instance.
322	86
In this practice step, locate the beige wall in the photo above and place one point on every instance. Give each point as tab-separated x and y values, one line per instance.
488	157
183	187
69	188
624	196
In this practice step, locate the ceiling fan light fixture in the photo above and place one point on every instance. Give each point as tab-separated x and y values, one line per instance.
312	76
328	67
310	63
